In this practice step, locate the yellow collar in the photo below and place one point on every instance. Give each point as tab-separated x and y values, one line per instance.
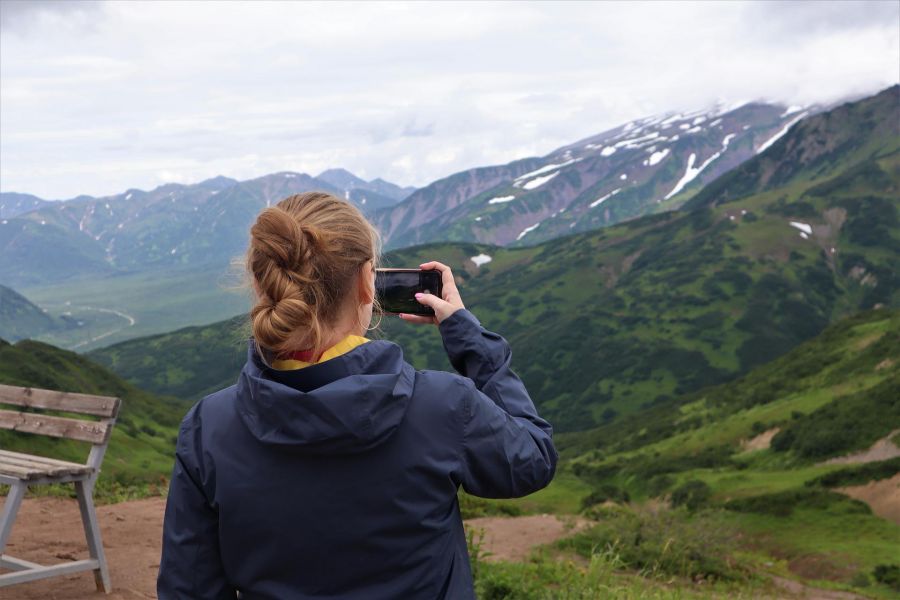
342	347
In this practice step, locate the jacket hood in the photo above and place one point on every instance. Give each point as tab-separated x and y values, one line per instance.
345	405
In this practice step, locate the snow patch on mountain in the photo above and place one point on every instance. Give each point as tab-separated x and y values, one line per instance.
602	199
545	169
804	227
539	181
527	230
778	135
480	259
501	199
657	157
608	151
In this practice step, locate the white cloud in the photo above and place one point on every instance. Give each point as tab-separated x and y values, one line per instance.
106	96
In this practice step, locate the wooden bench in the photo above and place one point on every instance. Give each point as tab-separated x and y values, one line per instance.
22	470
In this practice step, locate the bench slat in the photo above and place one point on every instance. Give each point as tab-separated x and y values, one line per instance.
26	472
88	404
86	431
37	466
35	457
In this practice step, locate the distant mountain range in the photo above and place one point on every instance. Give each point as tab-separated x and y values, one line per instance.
637	313
170	226
644	166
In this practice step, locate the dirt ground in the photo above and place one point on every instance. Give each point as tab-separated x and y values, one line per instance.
760	442
48	531
883	496
883	449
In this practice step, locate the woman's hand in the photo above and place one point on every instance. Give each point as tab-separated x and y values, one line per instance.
443	307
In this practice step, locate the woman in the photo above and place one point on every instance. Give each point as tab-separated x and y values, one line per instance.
330	470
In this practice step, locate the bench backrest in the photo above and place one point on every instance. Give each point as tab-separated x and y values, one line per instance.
95	432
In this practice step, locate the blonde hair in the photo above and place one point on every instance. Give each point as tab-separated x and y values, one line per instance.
304	258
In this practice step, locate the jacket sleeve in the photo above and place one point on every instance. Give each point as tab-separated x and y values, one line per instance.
191	565
507	448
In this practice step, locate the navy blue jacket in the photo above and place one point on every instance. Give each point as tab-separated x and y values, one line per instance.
339	480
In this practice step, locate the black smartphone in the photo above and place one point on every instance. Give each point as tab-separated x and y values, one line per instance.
396	289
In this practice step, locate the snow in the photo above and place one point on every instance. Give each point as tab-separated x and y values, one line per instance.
689	175
731	217
107	205
743	211
562	210
544	169
623	176
791	110
671	119
289	175
527	230
674	138
631	142
43	222
727	139
804	235
684	126
128	196
501	199
746	127
778	135
698	120
4	222
657	157
539	181
602	199
120	226
628	127
363	201
172	251
716	122
477	218
608	151
802	226
480	259
694	129
346	194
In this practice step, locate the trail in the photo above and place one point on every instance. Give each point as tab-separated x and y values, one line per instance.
48	531
131	321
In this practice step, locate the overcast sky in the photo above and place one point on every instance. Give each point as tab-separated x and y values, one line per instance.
98	97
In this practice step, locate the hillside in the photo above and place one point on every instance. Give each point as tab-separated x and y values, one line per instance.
747	456
641	167
141	449
20	318
658	307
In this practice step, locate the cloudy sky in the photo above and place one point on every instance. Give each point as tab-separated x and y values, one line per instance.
97	97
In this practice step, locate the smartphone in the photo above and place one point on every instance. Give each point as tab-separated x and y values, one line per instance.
396	289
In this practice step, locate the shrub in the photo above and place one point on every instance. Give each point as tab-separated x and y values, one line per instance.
693	494
782	504
889	575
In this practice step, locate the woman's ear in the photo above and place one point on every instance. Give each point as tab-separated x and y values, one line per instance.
366	283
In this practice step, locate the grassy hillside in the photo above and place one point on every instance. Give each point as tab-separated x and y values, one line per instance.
141	450
20	318
835	394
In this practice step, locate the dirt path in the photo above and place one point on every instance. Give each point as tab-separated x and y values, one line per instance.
513	538
883	449
882	496
48	531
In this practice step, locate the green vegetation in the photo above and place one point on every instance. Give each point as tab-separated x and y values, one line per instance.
19	318
141	451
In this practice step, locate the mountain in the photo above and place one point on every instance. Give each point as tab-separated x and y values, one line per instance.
657	307
142	444
644	166
372	195
13	204
173	225
20	318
